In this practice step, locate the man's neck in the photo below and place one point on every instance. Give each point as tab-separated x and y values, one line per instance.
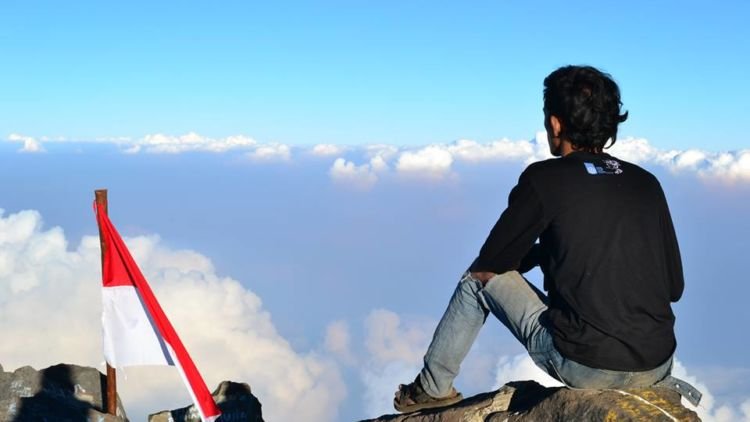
566	148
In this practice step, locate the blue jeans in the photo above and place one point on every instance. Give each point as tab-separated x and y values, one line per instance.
520	307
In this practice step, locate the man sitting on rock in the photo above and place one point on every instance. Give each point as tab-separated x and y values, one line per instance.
607	249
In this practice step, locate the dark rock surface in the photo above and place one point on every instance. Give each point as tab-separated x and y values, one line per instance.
236	401
527	401
60	393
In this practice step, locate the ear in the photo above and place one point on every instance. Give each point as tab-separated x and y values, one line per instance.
555	125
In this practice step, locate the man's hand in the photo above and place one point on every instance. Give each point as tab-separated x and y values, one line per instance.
483	276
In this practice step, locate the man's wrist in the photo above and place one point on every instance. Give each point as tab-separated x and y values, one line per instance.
483	276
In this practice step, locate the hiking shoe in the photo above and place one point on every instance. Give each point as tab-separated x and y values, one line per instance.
412	397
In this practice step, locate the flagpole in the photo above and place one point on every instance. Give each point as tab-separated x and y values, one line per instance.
101	199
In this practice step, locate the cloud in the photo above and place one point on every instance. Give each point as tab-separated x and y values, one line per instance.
114	139
271	152
733	166
436	162
729	166
388	339
708	410
636	150
29	144
522	367
501	150
381	384
361	177
133	149
193	142
384	151
394	351
50	298
395	348
394	356
338	341
432	162
326	150
161	143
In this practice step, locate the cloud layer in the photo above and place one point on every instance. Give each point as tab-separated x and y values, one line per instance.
29	144
394	351
363	166
227	330
395	347
521	367
50	298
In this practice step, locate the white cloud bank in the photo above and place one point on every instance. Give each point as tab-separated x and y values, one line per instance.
271	152
338	341
29	144
433	162
326	150
50	307
708	410
395	347
161	143
501	150
725	166
394	356
521	367
437	162
361	177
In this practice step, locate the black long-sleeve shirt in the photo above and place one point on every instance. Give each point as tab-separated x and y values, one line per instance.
608	252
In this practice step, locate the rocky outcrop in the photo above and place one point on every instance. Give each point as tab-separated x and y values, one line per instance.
527	401
61	393
236	401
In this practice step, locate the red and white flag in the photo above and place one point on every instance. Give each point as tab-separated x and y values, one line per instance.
136	330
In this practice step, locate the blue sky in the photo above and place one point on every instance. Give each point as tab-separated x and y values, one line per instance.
408	73
337	166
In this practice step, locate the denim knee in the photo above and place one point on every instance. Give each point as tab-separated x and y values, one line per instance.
471	289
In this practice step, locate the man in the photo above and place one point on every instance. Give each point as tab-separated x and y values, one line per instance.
607	249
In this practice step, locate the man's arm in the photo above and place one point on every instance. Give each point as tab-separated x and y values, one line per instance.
510	241
673	261
531	260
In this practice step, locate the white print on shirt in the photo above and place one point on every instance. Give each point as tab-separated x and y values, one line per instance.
610	167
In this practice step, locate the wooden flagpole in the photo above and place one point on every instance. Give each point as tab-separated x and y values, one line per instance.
101	199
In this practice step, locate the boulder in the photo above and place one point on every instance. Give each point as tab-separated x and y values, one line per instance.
527	401
58	393
236	401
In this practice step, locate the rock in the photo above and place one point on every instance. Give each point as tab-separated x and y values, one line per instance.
527	401
58	393
236	401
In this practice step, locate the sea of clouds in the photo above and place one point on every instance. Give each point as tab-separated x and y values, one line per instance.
435	162
50	312
50	309
50	304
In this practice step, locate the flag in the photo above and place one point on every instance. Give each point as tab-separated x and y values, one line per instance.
136	329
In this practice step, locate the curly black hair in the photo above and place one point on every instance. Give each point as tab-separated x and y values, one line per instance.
587	103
